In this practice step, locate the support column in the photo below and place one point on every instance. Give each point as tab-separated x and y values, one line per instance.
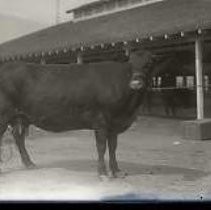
199	78
198	129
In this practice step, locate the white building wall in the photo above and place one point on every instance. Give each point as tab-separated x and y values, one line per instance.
69	4
65	5
112	8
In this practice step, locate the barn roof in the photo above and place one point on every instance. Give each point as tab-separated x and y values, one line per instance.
167	17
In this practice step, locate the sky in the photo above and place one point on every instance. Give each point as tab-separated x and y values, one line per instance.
20	17
42	11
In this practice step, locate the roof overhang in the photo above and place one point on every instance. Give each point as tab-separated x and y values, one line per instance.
168	23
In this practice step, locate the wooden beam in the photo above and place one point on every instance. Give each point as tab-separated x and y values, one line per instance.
199	78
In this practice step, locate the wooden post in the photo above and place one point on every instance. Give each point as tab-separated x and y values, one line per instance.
184	82
199	78
127	51
42	61
79	58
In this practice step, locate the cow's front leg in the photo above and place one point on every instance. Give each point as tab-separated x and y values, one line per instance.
113	165
101	149
19	132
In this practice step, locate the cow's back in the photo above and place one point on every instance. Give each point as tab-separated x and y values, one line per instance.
105	82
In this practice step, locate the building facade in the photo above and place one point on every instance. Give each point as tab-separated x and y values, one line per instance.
105	7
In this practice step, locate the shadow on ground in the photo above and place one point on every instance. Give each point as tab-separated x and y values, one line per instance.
130	197
131	168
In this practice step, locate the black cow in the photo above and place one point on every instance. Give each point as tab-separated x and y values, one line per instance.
103	97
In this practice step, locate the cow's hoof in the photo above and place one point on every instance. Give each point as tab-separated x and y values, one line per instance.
104	178
119	174
31	166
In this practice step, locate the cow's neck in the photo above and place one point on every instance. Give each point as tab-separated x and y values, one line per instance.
131	105
127	114
134	101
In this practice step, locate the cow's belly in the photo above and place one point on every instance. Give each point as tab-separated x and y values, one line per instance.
64	120
60	126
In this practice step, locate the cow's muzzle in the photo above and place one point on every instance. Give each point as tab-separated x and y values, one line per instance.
136	82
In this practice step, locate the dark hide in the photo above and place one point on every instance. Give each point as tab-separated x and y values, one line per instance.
59	98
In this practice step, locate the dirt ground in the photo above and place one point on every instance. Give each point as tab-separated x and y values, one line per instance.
160	166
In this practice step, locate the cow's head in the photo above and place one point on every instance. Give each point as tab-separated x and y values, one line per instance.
141	62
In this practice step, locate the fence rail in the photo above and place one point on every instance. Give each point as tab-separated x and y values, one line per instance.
179	88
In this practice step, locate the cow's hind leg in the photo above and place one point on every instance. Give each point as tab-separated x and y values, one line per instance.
101	149
6	113
113	165
19	132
